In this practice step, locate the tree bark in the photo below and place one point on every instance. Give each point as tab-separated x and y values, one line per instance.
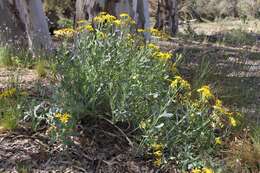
167	16
137	9
88	9
25	20
234	8
12	30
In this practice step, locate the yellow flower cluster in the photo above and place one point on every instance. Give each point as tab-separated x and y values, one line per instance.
157	153
179	82
162	55
81	21
65	32
218	141
126	19
203	170
8	93
117	22
104	17
124	15
64	118
153	46
140	30
157	33
87	27
144	124
220	109
206	93
232	121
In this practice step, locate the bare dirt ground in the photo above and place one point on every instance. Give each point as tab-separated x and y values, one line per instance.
94	151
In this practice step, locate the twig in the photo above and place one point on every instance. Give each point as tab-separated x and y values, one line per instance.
80	168
122	133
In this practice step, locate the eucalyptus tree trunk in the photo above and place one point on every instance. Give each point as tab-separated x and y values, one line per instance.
137	9
87	9
234	4
25	20
167	16
12	29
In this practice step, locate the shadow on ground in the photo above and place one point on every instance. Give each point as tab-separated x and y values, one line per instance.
233	72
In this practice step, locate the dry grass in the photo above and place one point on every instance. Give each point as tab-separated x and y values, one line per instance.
244	154
210	28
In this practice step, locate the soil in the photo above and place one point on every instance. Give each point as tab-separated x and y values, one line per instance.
93	151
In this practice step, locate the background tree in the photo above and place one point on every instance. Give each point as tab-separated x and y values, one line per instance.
137	9
167	16
58	9
23	22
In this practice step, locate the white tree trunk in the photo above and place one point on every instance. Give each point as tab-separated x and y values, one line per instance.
26	17
88	9
32	15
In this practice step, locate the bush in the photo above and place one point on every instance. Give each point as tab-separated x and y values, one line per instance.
108	71
12	102
238	37
41	69
5	57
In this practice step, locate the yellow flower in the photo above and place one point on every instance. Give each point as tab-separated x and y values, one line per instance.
218	103
81	21
124	15
158	154
66	32
8	93
157	147
207	170
154	31
218	141
117	22
163	55
98	19
153	46
89	27
179	82
142	125
219	107
205	92
109	18
232	121
157	162
132	22
196	170
104	17
64	118
103	13
157	33
140	30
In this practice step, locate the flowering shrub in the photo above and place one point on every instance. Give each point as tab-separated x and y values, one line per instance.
12	102
109	70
